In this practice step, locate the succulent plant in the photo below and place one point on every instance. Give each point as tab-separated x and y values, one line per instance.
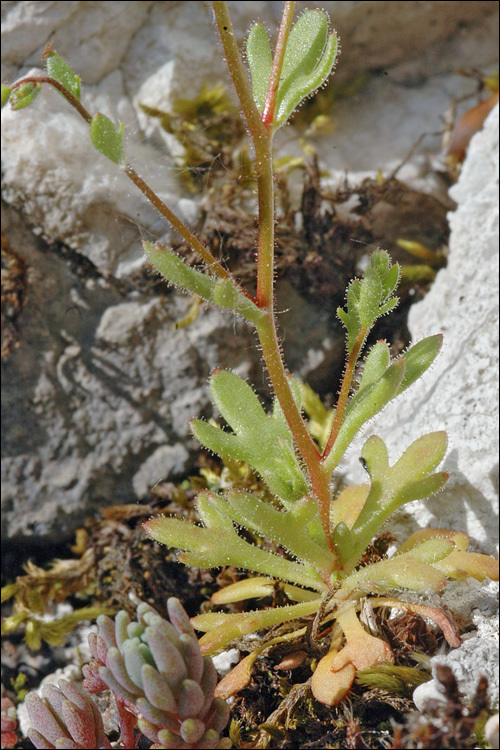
9	723
65	717
161	682
157	672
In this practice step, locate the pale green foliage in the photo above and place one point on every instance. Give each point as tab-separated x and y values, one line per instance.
309	58
6	92
381	382
370	298
178	272
265	442
59	69
23	96
410	478
326	538
221	292
107	139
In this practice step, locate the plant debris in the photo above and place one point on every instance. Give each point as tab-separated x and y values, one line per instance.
449	724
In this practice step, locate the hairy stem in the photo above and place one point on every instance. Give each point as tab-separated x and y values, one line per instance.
177	224
214	264
344	391
262	140
64	91
237	69
279	54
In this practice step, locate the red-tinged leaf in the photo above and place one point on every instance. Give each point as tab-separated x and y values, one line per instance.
237	679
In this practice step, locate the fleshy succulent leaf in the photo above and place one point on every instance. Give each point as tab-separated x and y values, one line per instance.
65	717
158	673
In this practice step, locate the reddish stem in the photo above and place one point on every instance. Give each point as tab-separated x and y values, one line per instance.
268	111
153	198
344	392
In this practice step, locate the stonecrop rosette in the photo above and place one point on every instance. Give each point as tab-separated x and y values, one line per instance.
157	669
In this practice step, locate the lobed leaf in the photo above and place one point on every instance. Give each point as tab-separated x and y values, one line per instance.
391	487
221	546
221	629
264	442
289	529
399	572
369	298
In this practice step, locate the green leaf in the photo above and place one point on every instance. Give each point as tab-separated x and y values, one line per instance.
309	58
419	358
376	363
343	540
237	403
221	629
177	272
288	529
228	296
6	92
22	96
264	442
422	457
218	544
370	297
308	61
107	138
59	69
410	570
391	487
362	407
260	60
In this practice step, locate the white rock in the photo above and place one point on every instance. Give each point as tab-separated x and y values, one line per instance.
225	661
459	393
491	731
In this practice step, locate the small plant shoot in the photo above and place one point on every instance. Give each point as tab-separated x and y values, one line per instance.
323	537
